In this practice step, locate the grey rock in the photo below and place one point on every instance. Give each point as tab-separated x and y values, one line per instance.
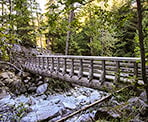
94	96
82	100
42	88
108	85
86	118
143	96
32	89
40	82
3	92
138	103
7	101
22	99
69	105
55	101
42	114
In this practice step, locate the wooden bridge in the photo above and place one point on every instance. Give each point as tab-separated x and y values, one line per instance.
90	71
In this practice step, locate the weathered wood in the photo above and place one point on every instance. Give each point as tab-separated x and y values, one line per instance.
88	67
64	66
117	74
136	70
72	68
93	57
80	75
103	74
52	65
91	71
58	66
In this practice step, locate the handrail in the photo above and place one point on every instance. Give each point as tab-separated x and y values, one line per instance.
92	57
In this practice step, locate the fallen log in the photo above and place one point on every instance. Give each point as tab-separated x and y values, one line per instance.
92	104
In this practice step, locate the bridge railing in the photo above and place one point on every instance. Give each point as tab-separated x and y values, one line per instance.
92	67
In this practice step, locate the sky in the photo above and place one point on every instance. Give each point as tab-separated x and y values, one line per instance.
42	4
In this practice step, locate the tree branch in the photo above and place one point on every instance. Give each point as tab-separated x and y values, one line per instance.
12	65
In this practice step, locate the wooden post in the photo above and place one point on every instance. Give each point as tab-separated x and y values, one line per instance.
46	63
58	65
33	62
37	62
41	62
80	75
136	70
64	66
90	76
102	78
72	68
117	75
48	68
52	65
29	65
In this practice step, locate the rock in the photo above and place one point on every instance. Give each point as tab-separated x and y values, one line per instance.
108	85
42	113
95	95
13	82
143	96
40	82
82	100
69	105
32	101
138	103
42	88
105	112
22	99
43	97
86	118
7	101
3	92
32	88
136	120
55	101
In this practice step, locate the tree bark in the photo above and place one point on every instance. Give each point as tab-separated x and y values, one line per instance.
141	43
2	11
71	16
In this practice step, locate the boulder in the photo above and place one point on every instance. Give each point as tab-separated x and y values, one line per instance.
42	113
69	105
42	88
13	82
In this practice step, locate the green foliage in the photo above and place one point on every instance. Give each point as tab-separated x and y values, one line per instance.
19	111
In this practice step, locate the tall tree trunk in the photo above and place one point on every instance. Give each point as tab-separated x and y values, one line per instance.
141	42
2	11
71	16
10	9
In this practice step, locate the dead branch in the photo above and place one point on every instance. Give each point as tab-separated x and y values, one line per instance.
12	65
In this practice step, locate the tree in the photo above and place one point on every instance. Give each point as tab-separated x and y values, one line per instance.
141	43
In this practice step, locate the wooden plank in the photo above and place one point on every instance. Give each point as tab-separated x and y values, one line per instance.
52	64
101	58
72	68
90	77
103	74
117	75
64	67
80	75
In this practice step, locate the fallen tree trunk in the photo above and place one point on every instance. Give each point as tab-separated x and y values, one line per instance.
92	104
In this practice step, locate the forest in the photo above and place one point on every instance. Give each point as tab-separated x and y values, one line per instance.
104	28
